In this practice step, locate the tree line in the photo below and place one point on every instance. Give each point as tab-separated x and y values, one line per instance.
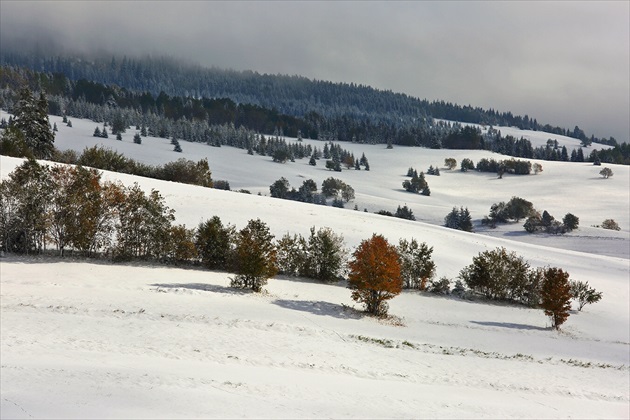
220	121
75	211
290	95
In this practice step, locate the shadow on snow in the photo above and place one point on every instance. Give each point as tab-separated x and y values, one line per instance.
320	308
204	287
509	325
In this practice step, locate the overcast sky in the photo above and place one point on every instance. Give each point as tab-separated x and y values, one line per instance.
566	63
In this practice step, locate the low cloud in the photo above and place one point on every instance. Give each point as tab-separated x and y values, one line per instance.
564	63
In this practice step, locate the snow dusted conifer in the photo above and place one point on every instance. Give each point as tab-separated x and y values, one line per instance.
31	118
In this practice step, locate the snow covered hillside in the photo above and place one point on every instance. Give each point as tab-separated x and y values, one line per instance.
86	339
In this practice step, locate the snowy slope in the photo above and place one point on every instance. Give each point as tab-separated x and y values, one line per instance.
83	339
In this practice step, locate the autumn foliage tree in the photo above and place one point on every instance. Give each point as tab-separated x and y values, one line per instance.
375	274
556	296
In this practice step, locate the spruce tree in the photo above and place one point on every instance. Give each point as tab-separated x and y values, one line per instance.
31	118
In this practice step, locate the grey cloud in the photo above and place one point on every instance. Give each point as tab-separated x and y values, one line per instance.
566	63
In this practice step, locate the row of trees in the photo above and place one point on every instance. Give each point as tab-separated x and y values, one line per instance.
417	183
292	95
209	122
73	209
333	188
29	135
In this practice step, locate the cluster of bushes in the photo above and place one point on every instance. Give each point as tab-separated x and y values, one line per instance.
514	210
432	171
71	208
510	166
182	170
459	219
545	222
417	183
517	209
334	188
403	212
609	224
503	275
336	157
501	167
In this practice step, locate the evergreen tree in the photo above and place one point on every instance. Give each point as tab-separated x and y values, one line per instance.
570	222
404	213
31	118
580	155
280	188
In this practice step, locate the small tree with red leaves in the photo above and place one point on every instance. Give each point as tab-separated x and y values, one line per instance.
375	274
556	296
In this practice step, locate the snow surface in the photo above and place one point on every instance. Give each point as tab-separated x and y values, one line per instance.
83	339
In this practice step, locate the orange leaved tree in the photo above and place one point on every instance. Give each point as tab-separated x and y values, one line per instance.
556	296
375	274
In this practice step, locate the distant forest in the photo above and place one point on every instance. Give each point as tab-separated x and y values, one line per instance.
290	95
197	104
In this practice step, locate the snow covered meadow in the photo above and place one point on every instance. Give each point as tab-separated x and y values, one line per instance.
86	339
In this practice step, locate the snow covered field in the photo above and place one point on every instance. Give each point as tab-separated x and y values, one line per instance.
84	339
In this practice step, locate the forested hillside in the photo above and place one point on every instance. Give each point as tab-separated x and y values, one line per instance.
291	95
322	111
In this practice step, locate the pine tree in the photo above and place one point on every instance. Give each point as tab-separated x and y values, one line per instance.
31	118
556	296
580	155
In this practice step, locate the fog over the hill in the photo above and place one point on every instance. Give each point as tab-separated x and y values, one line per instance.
564	63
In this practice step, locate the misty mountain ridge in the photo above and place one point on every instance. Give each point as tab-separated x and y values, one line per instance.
294	95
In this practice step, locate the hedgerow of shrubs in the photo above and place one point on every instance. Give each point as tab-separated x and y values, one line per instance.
74	210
